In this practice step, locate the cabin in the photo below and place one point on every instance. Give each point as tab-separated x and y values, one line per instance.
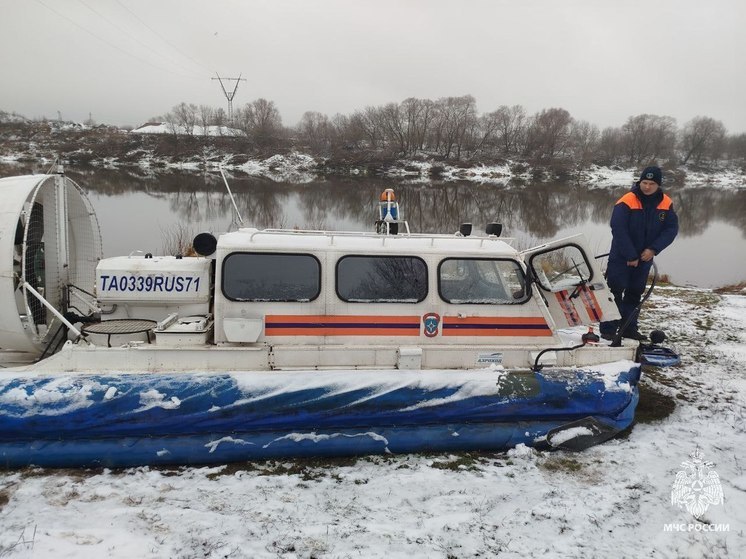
339	299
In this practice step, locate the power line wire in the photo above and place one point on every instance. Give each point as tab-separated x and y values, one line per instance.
149	63
161	37
131	35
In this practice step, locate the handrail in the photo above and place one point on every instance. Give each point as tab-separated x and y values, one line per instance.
27	286
367	234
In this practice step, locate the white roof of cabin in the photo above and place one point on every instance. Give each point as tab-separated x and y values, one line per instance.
291	240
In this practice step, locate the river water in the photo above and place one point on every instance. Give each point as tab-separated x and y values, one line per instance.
140	211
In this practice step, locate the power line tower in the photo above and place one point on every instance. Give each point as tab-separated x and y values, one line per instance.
230	95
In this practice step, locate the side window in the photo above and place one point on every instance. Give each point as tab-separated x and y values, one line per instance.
561	268
481	281
271	277
381	279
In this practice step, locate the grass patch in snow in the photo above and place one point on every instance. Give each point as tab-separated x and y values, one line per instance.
309	469
736	289
460	462
560	463
4	498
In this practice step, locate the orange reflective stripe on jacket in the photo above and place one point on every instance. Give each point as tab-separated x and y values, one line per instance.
666	203
633	202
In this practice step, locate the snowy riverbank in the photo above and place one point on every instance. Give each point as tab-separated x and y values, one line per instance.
300	168
613	500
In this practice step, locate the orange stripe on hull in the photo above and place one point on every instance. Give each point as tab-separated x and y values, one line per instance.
398	332
336	325
497	332
535	320
517	326
331	319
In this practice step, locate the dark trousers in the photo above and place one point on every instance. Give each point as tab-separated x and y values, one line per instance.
627	284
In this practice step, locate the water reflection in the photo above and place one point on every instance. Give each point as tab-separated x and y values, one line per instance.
137	205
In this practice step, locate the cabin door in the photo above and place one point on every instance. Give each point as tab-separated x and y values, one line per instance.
569	279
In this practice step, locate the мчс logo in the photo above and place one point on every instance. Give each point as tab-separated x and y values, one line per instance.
431	321
697	486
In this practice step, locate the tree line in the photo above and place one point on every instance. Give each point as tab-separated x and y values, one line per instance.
451	128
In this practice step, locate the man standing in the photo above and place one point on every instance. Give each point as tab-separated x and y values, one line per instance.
643	223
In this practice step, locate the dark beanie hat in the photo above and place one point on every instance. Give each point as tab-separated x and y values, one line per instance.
652	173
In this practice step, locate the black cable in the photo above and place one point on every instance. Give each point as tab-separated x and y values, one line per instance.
617	340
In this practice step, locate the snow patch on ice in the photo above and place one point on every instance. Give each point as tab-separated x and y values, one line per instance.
57	397
153	399
374	383
609	373
213	445
313	437
484	387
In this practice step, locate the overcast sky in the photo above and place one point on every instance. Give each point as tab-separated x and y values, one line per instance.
124	61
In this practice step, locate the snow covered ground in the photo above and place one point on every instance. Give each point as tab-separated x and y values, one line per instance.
613	500
197	130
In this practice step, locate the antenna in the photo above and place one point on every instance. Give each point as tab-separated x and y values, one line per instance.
233	200
230	95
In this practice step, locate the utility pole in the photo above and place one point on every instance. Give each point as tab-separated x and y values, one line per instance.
230	95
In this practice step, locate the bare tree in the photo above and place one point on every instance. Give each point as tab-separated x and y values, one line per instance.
511	128
268	120
206	115
457	118
549	133
393	126
369	122
348	131
185	117
260	120
220	119
648	138
316	129
609	149
702	138
736	148
584	139
487	127
418	114
172	124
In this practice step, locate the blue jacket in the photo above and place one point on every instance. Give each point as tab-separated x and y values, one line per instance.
639	222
